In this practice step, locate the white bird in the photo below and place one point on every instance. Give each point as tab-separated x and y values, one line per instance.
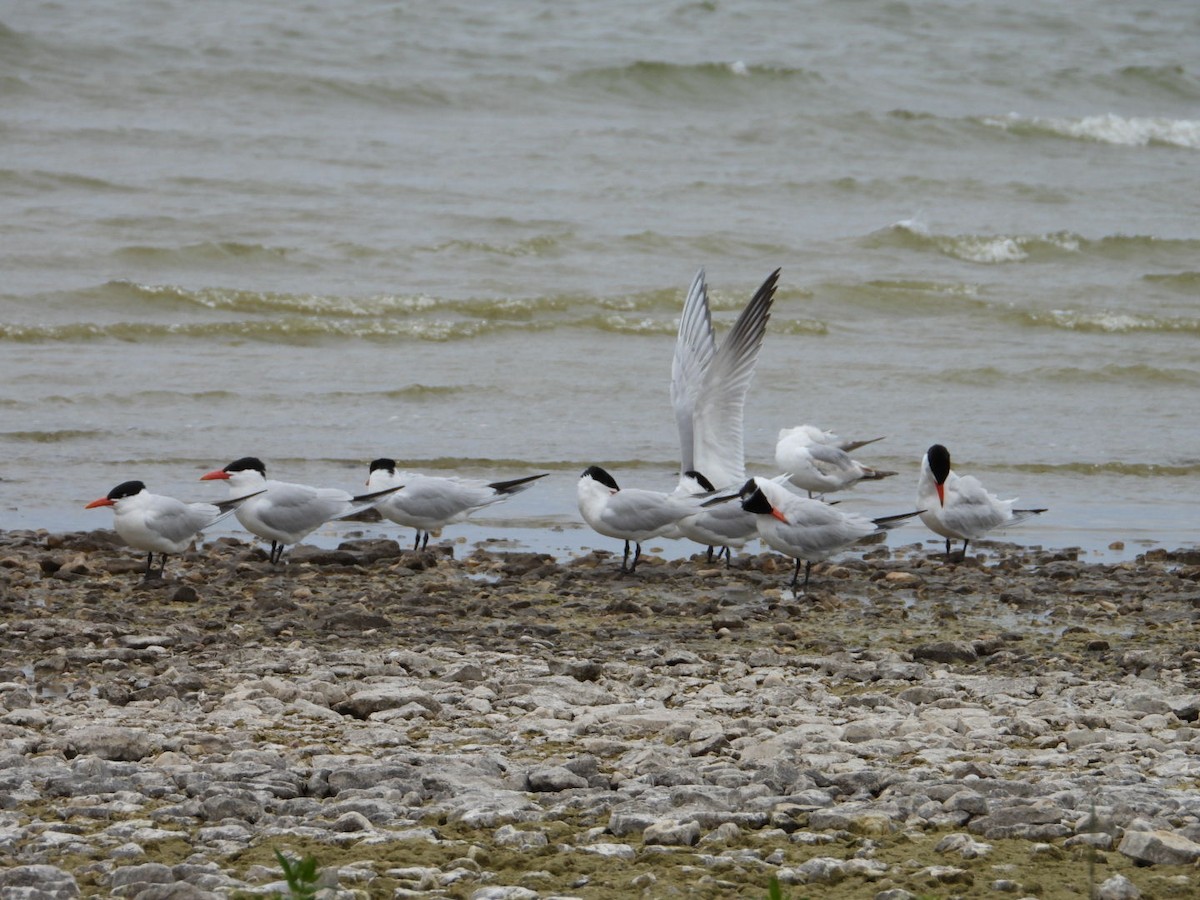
959	507
428	503
708	394
159	524
819	466
805	529
284	513
814	435
631	514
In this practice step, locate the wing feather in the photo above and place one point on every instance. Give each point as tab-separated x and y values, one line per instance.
718	420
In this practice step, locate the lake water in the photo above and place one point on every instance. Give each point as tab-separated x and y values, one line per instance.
460	234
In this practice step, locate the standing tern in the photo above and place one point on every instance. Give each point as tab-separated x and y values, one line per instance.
805	529
819	467
631	514
959	507
159	524
708	394
429	503
282	512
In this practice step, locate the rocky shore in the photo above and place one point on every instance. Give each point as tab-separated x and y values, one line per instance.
507	725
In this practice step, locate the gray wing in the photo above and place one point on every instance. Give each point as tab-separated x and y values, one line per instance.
694	349
718	421
178	521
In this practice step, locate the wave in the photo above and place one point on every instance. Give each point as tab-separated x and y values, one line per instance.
690	81
1010	248
1106	129
1140	374
1172	80
127	311
281	330
153	398
907	296
1189	282
50	437
1108	321
39	180
204	252
1113	467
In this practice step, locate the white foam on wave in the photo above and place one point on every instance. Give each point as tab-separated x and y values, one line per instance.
1110	129
987	250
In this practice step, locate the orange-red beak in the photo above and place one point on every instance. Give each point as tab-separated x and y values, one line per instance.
780	516
103	501
942	494
214	475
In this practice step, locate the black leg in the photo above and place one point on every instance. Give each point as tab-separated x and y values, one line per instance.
637	554
162	564
965	542
625	559
417	542
795	576
425	543
710	554
728	557
807	572
947	548
149	561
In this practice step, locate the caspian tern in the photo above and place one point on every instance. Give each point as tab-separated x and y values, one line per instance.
429	503
708	394
631	514
159	524
959	507
282	512
805	529
819	467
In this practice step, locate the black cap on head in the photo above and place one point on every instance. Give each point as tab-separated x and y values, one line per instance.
939	462
757	502
748	488
247	463
126	489
598	474
384	463
700	479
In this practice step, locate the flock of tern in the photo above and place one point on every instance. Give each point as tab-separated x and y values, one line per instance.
714	504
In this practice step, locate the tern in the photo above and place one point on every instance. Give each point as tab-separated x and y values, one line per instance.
805	529
160	524
959	507
820	467
429	503
284	513
633	515
708	394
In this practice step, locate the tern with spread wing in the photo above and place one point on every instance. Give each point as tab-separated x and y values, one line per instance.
284	513
159	524
959	507
708	394
429	503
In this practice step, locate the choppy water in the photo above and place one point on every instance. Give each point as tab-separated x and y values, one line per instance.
460	234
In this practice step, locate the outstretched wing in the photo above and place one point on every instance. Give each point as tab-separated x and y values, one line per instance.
694	349
718	449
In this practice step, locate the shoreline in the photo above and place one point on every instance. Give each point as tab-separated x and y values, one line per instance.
506	724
